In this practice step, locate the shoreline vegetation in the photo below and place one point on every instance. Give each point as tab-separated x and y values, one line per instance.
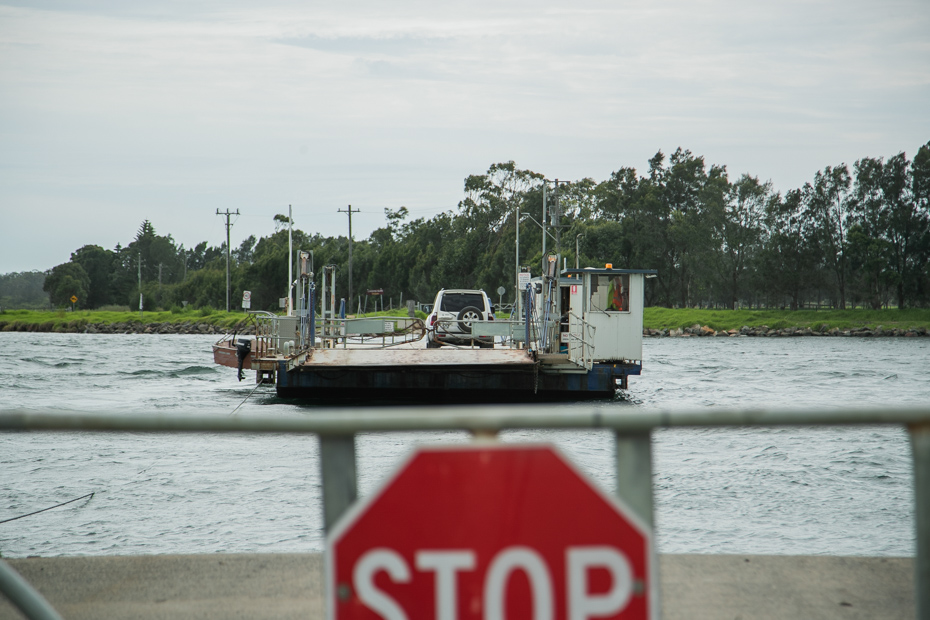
657	322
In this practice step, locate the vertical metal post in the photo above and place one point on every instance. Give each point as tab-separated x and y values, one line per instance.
290	261
337	468
312	306
516	261
527	315
23	596
545	208
634	473
920	448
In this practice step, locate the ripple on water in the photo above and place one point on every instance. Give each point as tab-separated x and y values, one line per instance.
717	490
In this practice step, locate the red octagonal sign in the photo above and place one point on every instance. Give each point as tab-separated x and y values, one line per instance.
492	532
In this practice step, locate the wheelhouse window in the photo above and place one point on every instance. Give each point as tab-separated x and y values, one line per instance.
610	293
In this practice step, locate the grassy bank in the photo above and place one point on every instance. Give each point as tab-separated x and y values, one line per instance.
63	321
653	318
60	320
667	318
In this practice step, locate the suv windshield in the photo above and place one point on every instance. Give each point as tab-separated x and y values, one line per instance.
456	302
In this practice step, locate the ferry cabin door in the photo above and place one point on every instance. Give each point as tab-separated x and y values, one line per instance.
575	333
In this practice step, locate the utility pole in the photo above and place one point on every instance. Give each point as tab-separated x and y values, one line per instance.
290	261
228	226
350	212
140	284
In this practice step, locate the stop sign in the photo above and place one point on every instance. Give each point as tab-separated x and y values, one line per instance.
489	531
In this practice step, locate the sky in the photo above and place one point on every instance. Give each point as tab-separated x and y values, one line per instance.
114	112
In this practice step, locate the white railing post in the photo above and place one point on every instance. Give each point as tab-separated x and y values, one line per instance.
339	480
634	473
920	449
23	596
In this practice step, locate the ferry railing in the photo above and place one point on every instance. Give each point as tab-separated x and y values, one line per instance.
581	342
381	331
267	338
337	428
511	331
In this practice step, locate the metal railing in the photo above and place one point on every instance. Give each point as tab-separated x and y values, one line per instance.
633	449
581	341
378	331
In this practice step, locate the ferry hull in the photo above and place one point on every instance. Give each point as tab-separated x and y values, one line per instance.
450	384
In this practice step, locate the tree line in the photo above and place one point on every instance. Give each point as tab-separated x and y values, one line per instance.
853	236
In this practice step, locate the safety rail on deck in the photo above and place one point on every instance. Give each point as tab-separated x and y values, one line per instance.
512	332
383	331
633	450
583	343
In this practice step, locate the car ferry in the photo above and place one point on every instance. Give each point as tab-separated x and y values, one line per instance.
576	335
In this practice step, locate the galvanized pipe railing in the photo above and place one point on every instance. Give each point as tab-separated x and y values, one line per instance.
633	458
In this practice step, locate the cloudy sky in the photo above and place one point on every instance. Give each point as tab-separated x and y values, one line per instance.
115	112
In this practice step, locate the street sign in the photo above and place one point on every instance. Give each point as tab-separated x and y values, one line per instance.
74	299
246	299
523	278
489	531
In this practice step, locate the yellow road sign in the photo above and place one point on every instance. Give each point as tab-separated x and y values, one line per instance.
74	299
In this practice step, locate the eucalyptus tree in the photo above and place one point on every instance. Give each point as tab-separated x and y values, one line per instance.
830	205
741	233
486	226
894	224
691	197
788	259
637	240
920	190
871	253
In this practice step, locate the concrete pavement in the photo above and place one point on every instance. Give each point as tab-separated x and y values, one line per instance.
284	586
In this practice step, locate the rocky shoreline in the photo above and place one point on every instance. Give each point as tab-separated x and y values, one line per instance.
188	327
765	331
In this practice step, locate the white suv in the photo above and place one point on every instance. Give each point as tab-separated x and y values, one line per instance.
454	311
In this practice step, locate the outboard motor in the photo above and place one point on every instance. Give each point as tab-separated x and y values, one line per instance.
243	350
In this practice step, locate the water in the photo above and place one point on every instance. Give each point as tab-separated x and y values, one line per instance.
838	491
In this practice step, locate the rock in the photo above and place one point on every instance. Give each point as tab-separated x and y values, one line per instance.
708	331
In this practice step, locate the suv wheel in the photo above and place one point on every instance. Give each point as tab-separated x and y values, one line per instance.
467	316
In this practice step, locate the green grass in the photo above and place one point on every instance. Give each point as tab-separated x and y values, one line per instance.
653	318
399	312
662	318
59	320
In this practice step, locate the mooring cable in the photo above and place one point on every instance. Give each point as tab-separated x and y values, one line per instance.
257	385
49	508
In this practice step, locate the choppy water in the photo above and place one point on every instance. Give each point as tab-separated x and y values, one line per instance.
766	490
